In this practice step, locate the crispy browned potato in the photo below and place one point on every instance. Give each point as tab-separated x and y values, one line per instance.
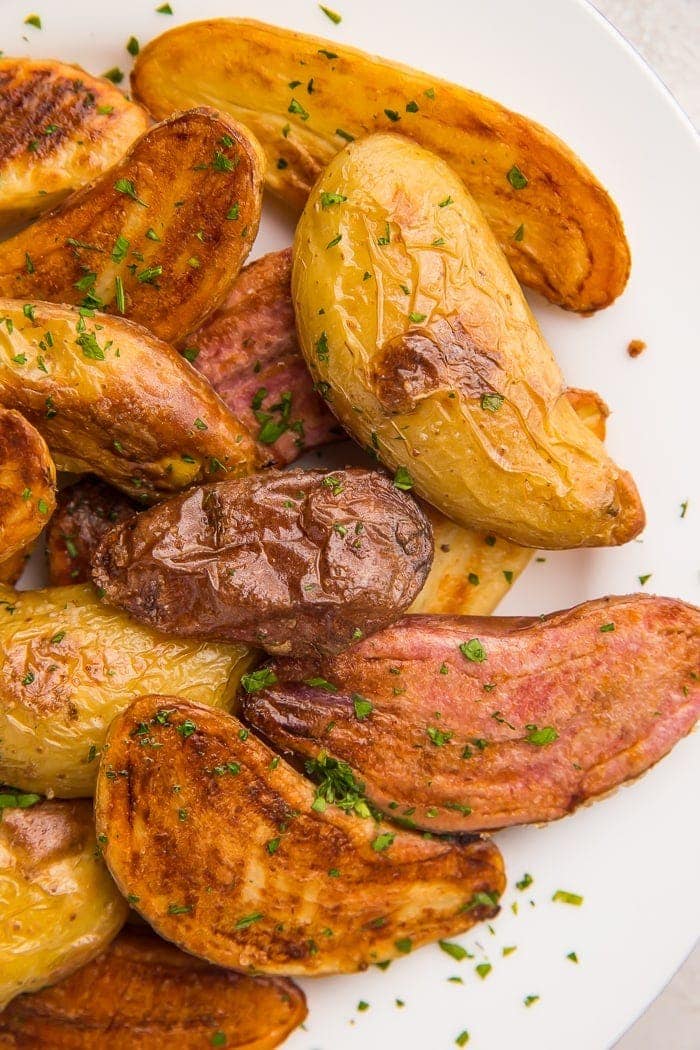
461	724
301	561
27	489
61	128
58	905
159	238
111	399
420	338
141	992
304	98
250	867
85	511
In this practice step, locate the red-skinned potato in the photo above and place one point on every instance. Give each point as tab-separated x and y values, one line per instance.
85	511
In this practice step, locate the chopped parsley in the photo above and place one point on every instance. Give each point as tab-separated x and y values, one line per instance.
403	479
336	785
257	680
541	737
516	178
383	841
333	15
248	920
491	402
456	951
363	707
473	650
329	199
564	897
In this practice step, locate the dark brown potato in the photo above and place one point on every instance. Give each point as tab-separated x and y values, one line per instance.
469	723
248	351
159	238
297	562
235	857
85	511
144	994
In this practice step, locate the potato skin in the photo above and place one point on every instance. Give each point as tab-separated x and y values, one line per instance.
111	399
303	561
85	511
143	992
68	665
246	879
92	124
58	904
453	748
572	248
178	184
27	485
458	368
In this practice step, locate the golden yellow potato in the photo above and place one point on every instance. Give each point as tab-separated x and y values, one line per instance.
111	399
27	488
61	128
159	238
419	336
69	664
304	98
58	905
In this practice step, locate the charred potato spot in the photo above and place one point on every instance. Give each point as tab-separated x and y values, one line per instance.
59	905
68	665
27	488
159	238
61	129
215	886
294	562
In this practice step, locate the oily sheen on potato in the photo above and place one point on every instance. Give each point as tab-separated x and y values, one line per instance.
111	399
61	128
27	489
418	334
69	664
467	723
141	993
159	238
301	561
237	858
58	904
305	98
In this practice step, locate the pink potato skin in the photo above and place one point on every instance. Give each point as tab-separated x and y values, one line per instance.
618	700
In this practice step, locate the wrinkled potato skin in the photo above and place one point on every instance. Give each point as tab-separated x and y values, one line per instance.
141	992
129	418
58	905
573	250
295	561
171	163
218	866
36	93
85	511
530	471
83	678
26	468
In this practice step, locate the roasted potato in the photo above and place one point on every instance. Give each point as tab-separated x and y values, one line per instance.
27	489
86	510
111	399
68	665
159	238
250	867
58	906
302	561
304	98
419	335
61	128
462	724
143	994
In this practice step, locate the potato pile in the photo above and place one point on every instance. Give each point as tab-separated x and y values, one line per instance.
275	682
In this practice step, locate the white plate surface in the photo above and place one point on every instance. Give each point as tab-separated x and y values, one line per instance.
635	857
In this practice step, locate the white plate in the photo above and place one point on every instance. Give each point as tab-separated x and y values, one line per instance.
635	856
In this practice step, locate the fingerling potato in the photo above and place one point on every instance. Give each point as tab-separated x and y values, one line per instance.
141	992
418	333
111	399
304	98
61	128
58	905
158	238
69	664
262	868
27	486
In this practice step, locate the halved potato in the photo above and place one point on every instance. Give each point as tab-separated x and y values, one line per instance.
231	854
27	488
304	98
419	335
61	128
111	399
143	994
69	664
159	238
58	905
